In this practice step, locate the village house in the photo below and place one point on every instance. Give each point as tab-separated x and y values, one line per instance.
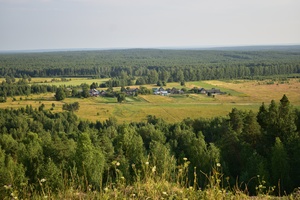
210	92
132	92
94	93
175	91
160	91
213	91
202	91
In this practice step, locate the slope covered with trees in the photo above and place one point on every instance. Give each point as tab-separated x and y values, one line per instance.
45	153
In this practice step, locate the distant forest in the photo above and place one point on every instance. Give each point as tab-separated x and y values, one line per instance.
152	65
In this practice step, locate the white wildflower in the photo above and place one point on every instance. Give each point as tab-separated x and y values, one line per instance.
154	169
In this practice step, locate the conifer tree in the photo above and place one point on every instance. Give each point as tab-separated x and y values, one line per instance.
286	119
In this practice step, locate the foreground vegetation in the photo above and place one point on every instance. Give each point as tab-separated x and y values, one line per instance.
58	155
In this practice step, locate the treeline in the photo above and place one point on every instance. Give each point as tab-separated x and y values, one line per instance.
11	88
254	151
153	65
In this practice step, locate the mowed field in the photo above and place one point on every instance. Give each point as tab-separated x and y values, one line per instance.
241	94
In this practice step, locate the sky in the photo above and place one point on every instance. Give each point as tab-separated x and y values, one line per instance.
69	24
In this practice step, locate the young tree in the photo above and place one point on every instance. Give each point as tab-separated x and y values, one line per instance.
60	94
280	167
120	97
130	145
89	161
85	91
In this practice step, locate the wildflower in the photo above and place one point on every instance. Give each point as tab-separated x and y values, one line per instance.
117	164
147	163
165	193
43	180
7	187
105	189
218	165
185	159
154	169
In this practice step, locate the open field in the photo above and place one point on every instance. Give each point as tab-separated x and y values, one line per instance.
261	91
71	81
241	94
67	82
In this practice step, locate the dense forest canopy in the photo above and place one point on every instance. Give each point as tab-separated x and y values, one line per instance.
192	64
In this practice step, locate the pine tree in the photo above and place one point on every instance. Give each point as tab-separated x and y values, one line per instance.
251	131
286	119
262	116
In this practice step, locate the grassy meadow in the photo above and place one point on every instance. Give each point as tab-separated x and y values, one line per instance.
241	94
68	82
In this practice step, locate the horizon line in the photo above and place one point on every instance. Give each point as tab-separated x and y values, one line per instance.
204	47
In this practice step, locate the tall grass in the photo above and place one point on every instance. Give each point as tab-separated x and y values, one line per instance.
148	184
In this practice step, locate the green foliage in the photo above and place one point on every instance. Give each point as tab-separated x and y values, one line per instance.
12	175
71	107
280	167
89	161
152	65
120	97
85	91
21	87
44	153
60	94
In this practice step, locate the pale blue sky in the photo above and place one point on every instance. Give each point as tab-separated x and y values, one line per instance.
62	24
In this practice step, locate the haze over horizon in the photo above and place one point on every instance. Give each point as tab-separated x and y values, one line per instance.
110	24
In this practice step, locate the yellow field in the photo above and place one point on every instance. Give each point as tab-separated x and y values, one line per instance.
259	91
71	81
245	95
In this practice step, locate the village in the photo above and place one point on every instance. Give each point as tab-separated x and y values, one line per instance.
160	91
